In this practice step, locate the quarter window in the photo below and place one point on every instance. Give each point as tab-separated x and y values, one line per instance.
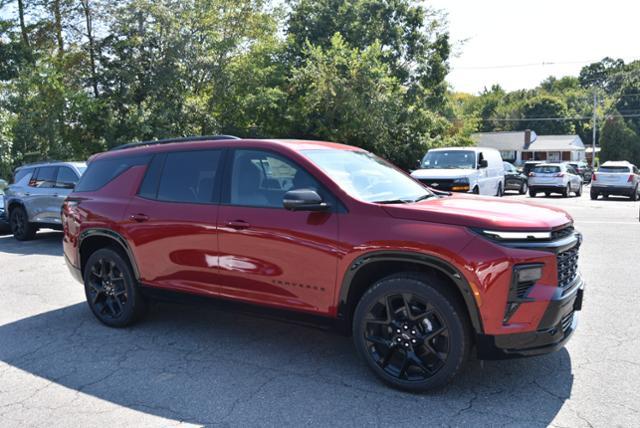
189	176
102	171
260	179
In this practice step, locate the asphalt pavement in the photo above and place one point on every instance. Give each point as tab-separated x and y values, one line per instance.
194	365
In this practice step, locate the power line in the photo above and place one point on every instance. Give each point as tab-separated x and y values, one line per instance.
546	119
530	64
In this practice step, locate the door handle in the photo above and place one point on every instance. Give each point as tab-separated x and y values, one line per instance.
139	217
238	224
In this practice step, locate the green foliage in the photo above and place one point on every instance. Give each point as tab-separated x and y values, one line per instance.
80	76
619	142
545	106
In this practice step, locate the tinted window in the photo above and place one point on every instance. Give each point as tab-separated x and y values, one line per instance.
189	176
546	169
21	174
261	179
44	177
66	178
615	169
149	186
102	171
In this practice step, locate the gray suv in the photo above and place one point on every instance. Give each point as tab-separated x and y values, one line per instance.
35	197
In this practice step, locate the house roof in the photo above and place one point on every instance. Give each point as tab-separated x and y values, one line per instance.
556	143
502	140
539	143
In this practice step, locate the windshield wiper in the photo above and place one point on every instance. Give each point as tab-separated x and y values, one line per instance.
394	201
425	196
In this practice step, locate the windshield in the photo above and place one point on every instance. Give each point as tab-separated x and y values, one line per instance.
450	159
367	177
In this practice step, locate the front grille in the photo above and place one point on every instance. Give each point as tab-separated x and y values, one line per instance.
566	321
561	233
438	183
567	266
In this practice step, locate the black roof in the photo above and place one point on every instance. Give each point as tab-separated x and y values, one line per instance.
175	140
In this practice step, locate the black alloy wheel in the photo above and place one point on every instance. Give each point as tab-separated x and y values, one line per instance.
20	227
110	288
410	334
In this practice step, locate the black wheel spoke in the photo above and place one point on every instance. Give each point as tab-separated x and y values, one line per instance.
410	341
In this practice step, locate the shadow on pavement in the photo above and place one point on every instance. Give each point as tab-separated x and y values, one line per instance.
194	364
47	243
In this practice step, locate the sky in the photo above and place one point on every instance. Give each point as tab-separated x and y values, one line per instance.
502	39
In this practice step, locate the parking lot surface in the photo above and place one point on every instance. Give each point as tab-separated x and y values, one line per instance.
193	365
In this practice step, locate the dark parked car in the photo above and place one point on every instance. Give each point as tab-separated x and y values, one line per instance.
583	169
529	165
330	234
514	179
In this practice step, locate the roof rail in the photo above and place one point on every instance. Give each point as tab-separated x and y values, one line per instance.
175	140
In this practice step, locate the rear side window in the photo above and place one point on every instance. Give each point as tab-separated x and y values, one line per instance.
44	177
615	169
66	178
102	171
546	169
187	177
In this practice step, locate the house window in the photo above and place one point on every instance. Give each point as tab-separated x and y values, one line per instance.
508	155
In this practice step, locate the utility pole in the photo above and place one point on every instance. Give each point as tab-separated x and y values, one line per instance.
593	141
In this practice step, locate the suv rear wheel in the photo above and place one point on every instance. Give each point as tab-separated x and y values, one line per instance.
111	289
409	333
20	227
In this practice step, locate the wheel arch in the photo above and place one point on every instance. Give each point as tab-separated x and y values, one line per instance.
368	268
94	239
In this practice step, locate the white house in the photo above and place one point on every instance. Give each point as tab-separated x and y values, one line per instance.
520	146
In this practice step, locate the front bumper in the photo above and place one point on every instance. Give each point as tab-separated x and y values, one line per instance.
75	271
555	329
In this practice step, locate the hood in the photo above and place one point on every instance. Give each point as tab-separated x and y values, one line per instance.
443	173
482	212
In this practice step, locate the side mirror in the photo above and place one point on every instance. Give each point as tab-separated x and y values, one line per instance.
304	200
483	163
418	164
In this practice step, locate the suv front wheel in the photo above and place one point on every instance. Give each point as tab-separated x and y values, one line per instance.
410	333
20	227
111	289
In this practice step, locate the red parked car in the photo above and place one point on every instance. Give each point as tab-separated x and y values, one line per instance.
327	233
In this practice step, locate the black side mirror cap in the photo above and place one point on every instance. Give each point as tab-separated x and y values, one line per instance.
483	163
304	200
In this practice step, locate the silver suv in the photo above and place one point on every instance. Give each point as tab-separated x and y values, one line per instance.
616	178
35	197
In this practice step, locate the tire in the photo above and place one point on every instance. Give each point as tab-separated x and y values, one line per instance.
432	344
532	193
499	192
20	227
524	188
594	195
634	195
579	191
111	289
567	191
476	190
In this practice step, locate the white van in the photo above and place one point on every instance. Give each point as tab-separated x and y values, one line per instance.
463	169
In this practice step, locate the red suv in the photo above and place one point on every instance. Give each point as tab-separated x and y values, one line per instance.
330	234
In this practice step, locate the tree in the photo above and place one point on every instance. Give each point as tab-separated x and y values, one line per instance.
618	141
351	95
539	110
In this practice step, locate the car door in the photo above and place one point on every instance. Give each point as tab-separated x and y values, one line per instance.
484	181
171	222
42	196
270	255
574	178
